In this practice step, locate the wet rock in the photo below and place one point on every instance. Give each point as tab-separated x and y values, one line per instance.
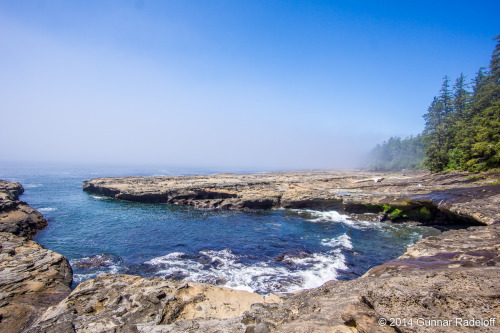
289	256
98	260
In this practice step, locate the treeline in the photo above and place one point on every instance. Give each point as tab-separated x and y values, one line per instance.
462	128
398	154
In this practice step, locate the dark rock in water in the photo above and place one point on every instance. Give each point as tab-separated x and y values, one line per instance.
293	254
287	257
220	282
205	260
178	275
98	260
145	270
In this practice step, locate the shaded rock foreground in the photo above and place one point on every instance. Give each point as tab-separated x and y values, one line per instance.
454	276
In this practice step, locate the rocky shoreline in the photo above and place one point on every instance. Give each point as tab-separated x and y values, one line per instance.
32	278
17	217
452	276
446	198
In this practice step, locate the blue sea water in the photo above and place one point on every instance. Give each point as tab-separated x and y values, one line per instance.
261	251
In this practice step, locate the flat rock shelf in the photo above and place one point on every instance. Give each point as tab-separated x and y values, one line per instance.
447	198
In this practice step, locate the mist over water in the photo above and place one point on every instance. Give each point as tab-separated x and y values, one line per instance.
261	251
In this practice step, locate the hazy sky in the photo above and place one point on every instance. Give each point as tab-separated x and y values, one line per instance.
234	84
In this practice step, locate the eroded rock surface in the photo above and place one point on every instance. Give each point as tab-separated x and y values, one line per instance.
131	303
453	296
454	276
32	278
16	216
472	247
446	197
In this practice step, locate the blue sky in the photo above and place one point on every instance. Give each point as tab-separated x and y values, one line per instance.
229	84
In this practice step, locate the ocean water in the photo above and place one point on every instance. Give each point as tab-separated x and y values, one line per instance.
261	251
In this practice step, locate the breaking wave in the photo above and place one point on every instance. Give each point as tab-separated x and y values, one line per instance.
341	241
285	273
90	267
316	216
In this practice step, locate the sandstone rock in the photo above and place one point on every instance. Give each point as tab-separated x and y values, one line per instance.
127	303
449	198
421	298
9	192
472	247
32	278
16	216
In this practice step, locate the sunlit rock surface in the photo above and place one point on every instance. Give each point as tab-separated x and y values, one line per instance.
127	302
32	278
448	196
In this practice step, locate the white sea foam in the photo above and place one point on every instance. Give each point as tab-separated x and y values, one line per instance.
316	216
46	209
32	185
341	241
224	267
98	197
108	267
78	278
328	216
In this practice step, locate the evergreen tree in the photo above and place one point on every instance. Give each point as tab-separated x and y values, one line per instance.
495	62
434	136
485	122
398	154
445	97
461	98
457	124
462	128
479	80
